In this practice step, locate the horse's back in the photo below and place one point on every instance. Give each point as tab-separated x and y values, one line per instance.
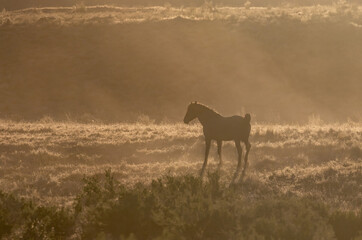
229	128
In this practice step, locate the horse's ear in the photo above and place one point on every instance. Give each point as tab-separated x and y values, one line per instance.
247	117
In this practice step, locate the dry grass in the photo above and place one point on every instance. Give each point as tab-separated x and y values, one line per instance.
47	160
81	14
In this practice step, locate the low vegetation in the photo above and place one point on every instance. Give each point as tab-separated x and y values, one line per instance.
303	182
182	207
46	160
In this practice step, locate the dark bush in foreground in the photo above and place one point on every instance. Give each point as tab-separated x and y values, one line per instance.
181	207
20	219
347	225
186	208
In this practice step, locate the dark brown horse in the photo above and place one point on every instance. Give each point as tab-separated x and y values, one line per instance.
219	128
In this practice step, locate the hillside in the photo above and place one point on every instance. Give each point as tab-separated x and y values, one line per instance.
115	64
19	4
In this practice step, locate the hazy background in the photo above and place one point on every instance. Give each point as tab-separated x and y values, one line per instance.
91	67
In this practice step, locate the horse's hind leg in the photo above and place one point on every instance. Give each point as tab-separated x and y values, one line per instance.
219	145
248	146
207	149
240	152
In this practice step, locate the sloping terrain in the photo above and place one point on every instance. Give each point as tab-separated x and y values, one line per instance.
115	64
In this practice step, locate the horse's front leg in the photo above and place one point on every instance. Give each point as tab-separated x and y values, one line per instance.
207	149
219	146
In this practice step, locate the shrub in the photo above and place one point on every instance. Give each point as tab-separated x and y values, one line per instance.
23	219
10	213
347	225
48	223
109	209
181	207
185	207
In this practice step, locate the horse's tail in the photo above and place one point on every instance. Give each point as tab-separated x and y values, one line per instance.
247	117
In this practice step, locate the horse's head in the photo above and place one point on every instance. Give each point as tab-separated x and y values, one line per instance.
191	113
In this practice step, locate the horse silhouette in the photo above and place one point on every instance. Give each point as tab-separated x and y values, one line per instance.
219	128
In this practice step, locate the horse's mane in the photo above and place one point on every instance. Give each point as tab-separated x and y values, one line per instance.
207	108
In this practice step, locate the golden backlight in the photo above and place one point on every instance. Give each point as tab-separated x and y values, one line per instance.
95	96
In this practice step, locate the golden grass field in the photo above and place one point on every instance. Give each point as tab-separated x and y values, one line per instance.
47	160
102	14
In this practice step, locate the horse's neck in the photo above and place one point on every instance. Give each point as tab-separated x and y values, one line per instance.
206	116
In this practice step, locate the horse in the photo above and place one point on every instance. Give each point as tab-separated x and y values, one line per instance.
220	128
